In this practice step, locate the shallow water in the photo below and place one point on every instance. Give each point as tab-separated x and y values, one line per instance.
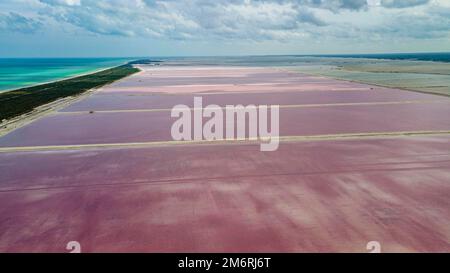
17	73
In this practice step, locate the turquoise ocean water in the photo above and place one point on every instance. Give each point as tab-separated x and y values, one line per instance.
17	73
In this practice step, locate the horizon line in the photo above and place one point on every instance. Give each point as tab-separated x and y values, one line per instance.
203	56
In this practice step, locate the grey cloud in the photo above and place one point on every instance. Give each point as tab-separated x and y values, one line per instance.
340	4
403	3
239	19
309	17
17	23
183	19
333	5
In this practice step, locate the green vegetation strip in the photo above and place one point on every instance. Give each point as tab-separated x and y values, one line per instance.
21	101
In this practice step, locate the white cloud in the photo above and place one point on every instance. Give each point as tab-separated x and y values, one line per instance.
63	2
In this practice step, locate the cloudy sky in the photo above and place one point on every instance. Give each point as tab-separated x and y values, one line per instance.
84	28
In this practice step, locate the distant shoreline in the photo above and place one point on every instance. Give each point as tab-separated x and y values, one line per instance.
426	57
